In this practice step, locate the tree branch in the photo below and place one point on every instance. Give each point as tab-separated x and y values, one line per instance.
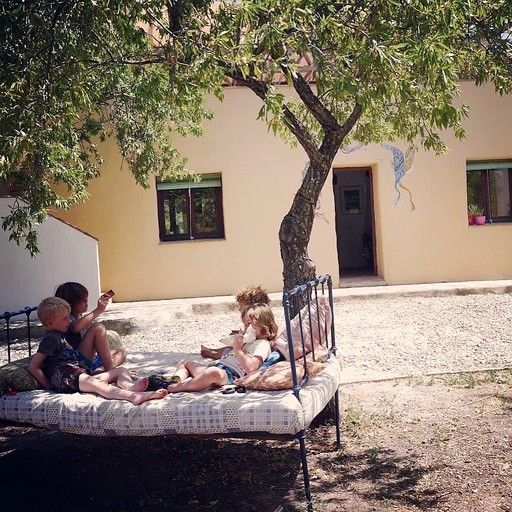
292	122
126	62
333	140
322	114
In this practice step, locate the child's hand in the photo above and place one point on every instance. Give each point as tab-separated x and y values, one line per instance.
239	342
102	303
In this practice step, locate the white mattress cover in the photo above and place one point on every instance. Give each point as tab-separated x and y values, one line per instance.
202	413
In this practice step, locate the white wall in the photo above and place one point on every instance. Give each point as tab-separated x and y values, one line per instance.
66	254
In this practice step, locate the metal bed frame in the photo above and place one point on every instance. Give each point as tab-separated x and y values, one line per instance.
300	300
293	299
27	311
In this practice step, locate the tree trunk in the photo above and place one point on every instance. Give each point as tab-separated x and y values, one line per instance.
296	227
295	230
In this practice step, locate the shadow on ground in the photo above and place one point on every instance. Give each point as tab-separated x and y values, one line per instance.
408	445
351	478
50	471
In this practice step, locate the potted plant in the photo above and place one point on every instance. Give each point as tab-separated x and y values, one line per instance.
475	214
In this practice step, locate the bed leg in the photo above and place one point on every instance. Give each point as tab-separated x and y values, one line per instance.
337	419
301	436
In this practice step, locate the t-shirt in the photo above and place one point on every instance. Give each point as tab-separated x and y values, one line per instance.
259	348
58	352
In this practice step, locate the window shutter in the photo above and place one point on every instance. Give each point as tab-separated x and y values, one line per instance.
488	165
210	180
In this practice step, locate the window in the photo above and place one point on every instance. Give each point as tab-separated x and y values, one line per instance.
190	210
489	186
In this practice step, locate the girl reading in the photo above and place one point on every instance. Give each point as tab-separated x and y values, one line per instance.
244	356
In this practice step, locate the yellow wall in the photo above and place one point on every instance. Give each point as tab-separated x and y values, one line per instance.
260	175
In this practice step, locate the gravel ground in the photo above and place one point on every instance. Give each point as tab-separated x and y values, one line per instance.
378	337
408	445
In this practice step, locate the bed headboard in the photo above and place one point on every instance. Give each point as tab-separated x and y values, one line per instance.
310	333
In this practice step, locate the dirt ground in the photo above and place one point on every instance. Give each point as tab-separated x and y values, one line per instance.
439	443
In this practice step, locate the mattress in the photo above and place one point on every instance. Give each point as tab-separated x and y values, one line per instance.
272	413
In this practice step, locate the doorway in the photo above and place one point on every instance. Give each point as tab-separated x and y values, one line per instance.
355	235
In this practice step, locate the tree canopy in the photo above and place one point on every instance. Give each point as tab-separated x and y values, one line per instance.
72	74
75	71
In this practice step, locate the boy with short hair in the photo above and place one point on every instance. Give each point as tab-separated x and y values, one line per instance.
55	365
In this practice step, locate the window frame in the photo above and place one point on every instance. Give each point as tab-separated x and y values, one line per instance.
484	168
207	181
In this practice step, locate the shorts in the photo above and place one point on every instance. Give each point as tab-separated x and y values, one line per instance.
65	378
90	365
161	381
232	375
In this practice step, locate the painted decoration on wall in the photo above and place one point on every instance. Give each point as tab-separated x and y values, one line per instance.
347	149
401	165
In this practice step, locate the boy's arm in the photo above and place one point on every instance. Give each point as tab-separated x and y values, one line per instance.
34	368
85	321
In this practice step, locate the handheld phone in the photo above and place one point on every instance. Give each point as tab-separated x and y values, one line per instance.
109	294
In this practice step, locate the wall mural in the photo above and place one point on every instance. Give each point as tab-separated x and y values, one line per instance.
401	164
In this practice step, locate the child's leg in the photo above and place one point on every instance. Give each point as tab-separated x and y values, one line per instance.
118	355
202	378
121	376
182	371
93	384
94	342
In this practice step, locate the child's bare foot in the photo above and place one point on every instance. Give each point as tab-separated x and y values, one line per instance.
205	351
140	384
209	352
142	397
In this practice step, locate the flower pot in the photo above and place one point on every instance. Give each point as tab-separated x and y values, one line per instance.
471	219
479	219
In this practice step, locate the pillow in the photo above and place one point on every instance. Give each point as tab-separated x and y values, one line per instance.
114	340
273	358
322	317
321	354
15	375
277	377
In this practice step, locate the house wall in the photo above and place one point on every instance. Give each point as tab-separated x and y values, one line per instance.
260	175
66	254
434	242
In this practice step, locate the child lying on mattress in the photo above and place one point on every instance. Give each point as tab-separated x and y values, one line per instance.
245	356
56	367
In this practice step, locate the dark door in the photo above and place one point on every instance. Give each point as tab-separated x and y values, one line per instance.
354	221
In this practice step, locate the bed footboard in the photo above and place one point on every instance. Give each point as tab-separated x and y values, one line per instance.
308	310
